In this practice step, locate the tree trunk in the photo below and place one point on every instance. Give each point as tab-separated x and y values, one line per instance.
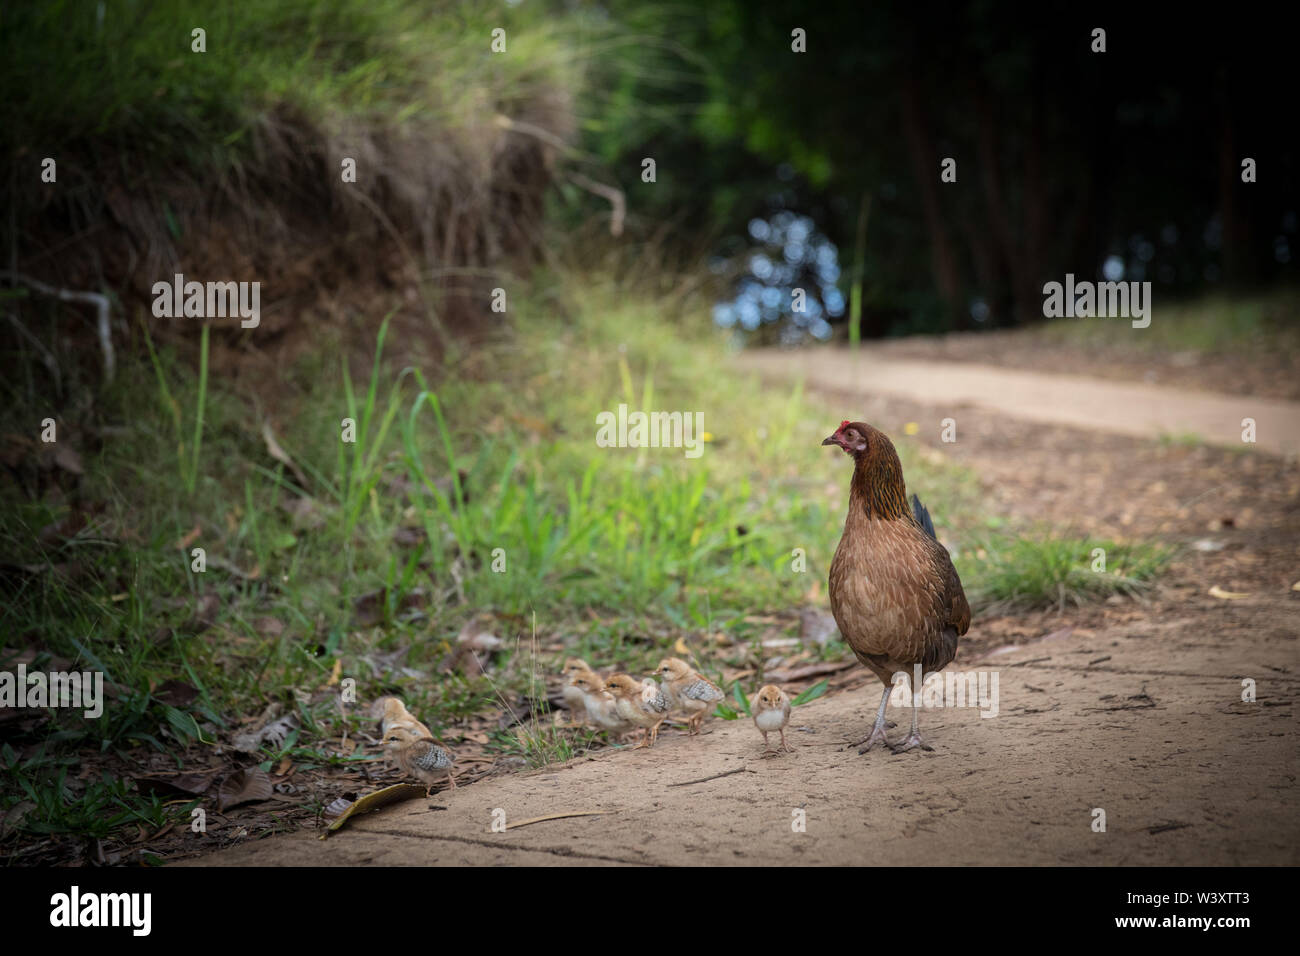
925	164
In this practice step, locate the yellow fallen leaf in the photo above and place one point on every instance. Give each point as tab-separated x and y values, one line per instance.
334	675
1218	592
1296	586
681	648
373	801
911	428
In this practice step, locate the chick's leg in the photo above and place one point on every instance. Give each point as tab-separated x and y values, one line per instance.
785	746
877	735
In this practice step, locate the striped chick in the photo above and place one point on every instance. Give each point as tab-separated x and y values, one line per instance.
689	691
393	713
419	757
574	698
600	705
643	705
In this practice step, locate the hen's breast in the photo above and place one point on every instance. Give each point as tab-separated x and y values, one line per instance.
888	594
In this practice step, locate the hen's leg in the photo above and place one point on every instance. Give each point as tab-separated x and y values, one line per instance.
877	734
914	739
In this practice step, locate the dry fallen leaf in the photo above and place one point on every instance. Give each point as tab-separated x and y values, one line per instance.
280	455
305	512
474	647
816	626
67	459
273	733
371	801
246	786
190	784
1220	593
268	626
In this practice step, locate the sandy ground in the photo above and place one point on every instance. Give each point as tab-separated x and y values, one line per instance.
1132	709
1145	723
1126	408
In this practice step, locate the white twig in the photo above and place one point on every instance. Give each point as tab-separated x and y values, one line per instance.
100	302
617	201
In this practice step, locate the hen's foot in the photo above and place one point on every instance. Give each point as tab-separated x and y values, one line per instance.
911	743
877	736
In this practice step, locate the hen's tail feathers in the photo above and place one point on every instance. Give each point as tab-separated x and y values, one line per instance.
922	517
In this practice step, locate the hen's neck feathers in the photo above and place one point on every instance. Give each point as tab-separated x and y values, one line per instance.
877	489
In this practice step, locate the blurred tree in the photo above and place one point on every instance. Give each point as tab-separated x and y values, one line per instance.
1065	157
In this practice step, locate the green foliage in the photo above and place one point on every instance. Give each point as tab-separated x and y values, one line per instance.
1007	573
127	75
812	693
742	701
1246	325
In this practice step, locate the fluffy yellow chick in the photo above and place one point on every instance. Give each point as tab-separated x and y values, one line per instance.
689	691
642	705
599	704
574	698
393	713
419	757
771	712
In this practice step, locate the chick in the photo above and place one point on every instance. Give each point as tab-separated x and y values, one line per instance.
599	704
689	691
772	712
646	706
574	698
393	713
419	757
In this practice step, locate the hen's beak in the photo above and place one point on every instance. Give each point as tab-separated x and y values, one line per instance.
830	441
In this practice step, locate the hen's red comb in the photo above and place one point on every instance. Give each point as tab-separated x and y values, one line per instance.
843	423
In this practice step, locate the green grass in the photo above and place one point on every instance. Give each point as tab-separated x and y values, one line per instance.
131	77
1181	440
1009	573
1220	324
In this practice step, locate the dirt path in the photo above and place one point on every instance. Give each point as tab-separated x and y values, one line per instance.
1131	708
1144	723
1141	410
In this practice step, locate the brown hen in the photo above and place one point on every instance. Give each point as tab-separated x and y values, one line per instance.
894	592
